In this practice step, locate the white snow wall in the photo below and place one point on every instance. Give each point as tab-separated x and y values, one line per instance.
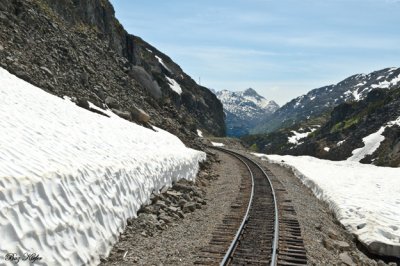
70	178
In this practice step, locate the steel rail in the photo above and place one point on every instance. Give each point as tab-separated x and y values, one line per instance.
246	216
274	257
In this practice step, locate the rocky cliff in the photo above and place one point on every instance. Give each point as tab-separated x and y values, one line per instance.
77	48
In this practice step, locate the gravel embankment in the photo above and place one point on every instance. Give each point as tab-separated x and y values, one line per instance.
146	241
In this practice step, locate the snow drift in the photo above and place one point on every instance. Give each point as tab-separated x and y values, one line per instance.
364	198
70	178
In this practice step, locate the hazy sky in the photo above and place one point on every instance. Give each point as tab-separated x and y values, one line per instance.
281	48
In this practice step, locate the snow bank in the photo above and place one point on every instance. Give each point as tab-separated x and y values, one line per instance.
364	198
70	178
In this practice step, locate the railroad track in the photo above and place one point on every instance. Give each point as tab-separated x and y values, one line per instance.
261	228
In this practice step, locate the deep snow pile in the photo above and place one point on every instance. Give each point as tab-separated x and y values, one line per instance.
70	178
364	198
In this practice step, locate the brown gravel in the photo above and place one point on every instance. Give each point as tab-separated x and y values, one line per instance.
180	244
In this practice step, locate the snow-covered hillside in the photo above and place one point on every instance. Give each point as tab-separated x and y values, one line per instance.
320	100
69	178
364	198
354	88
244	109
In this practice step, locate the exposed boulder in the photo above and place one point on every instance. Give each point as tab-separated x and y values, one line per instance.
139	115
83	102
123	114
146	81
112	103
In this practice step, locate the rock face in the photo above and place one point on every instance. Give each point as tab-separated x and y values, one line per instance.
349	123
244	110
322	100
79	49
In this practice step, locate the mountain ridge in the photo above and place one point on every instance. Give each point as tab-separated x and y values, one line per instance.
244	109
324	99
364	127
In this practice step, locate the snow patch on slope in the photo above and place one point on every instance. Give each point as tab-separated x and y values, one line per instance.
371	142
298	136
364	198
386	84
162	63
174	85
70	178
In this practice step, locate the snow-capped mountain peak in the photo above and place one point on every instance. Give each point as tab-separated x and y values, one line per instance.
246	102
252	96
244	109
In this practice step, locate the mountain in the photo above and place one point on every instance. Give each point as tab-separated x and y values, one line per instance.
321	101
80	50
244	110
365	130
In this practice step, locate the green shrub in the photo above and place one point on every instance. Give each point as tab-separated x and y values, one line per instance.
254	148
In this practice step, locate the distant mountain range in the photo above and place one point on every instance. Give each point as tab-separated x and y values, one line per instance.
321	101
244	110
337	122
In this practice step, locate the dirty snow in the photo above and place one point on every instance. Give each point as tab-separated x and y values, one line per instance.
70	178
364	198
